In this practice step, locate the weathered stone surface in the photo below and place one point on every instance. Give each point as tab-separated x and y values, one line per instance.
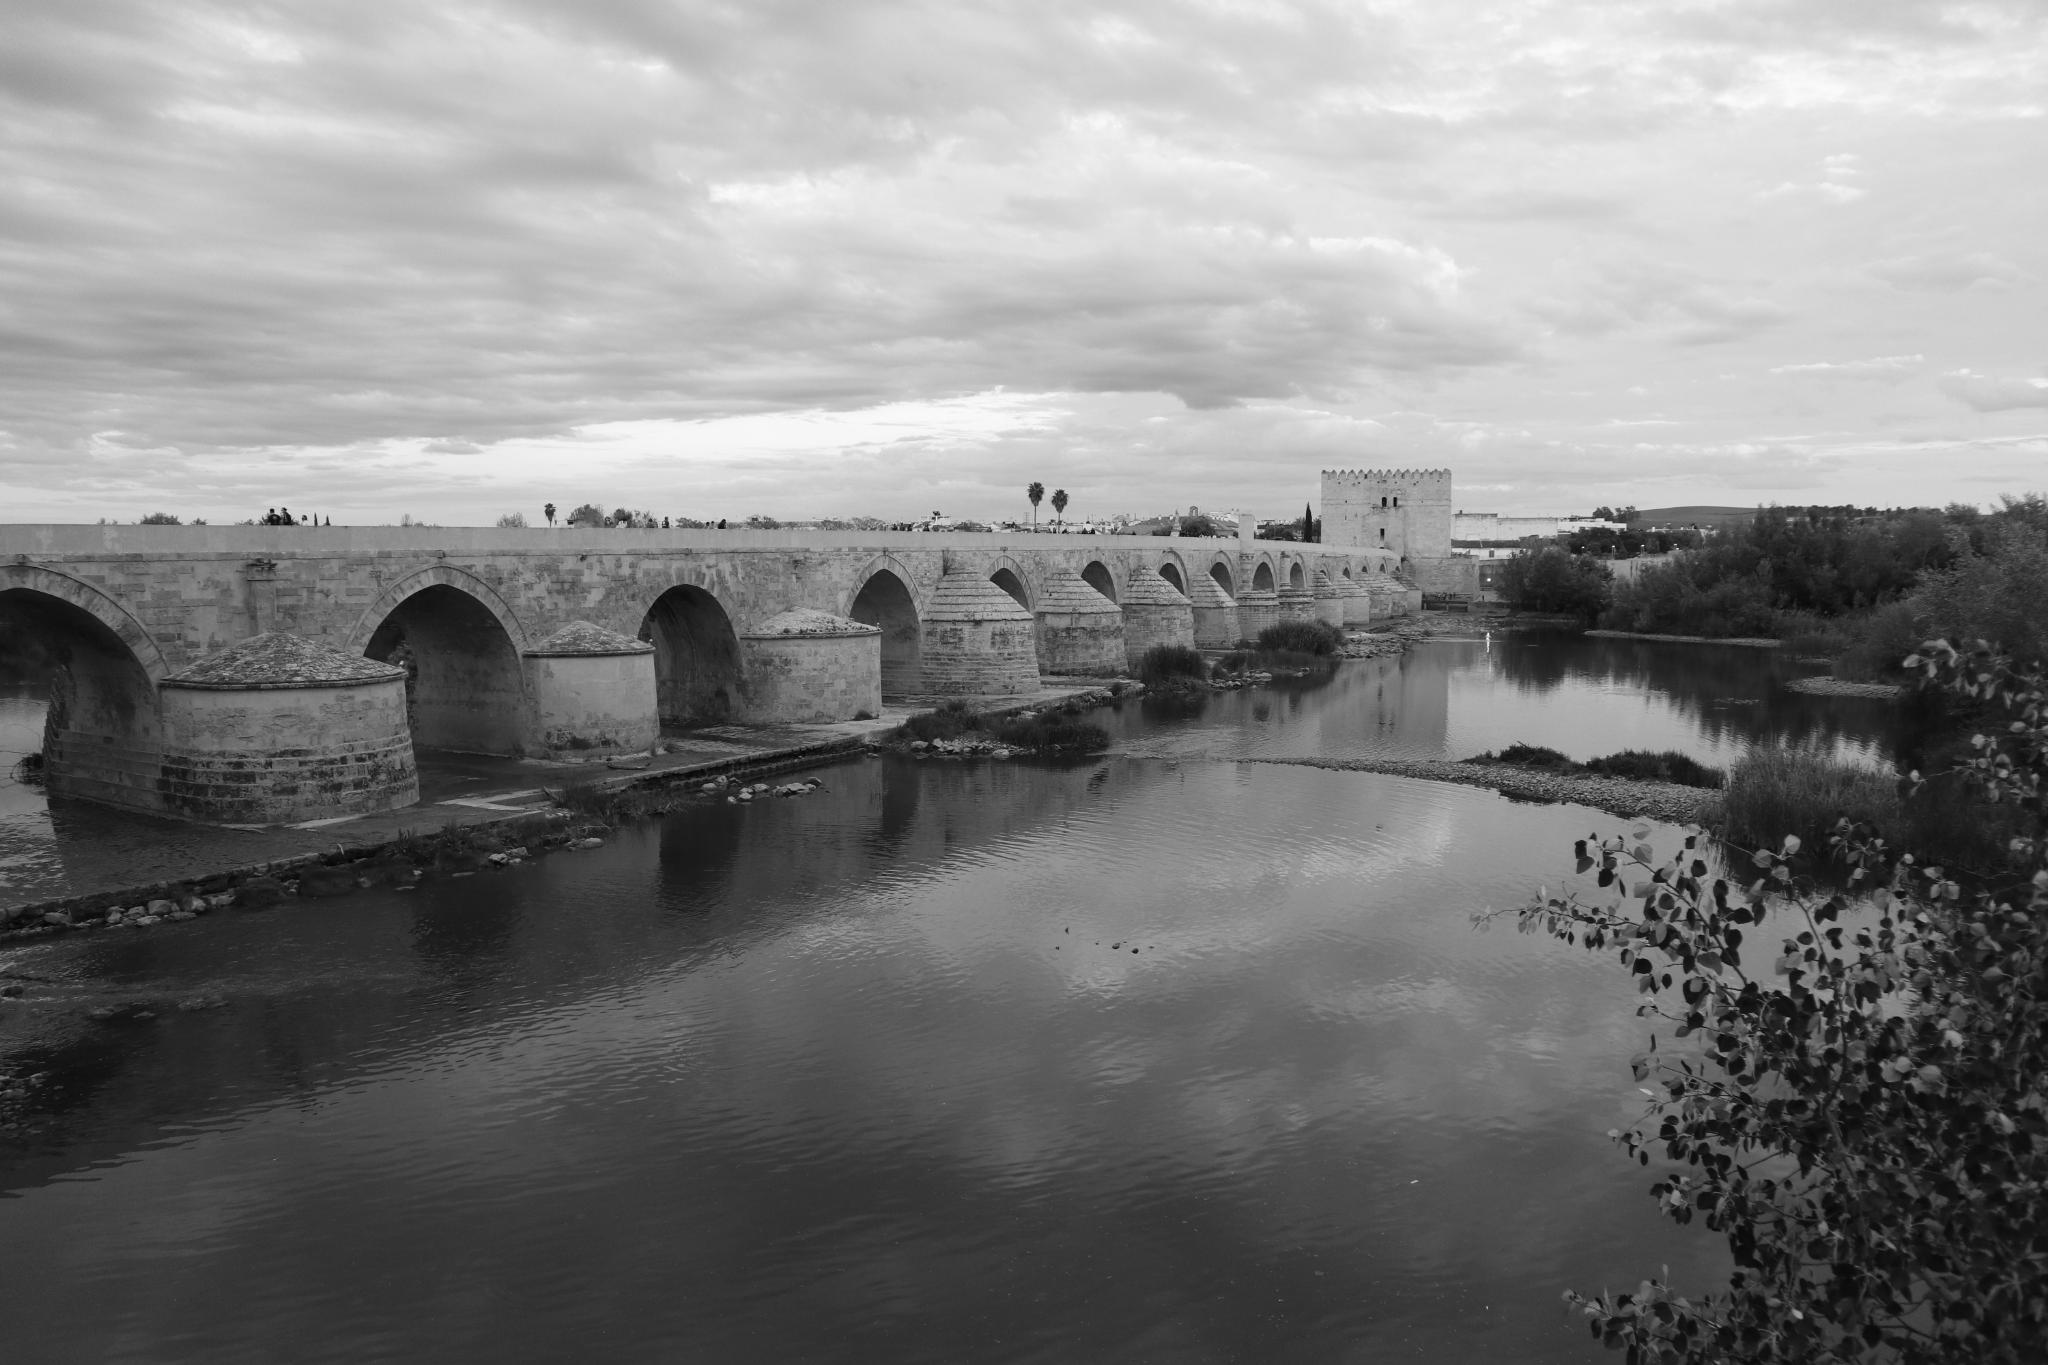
1296	604
1080	632
582	637
804	667
281	729
1154	614
594	703
277	659
807	621
1214	612
1257	608
467	611
977	641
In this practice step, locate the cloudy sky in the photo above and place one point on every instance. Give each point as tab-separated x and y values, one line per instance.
824	257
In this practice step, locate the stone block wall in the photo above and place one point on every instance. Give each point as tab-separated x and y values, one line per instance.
811	679
592	705
265	755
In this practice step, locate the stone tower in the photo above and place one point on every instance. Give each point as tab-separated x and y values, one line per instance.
1407	511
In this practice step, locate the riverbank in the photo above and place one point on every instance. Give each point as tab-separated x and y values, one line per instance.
1742	641
481	806
1625	797
1824	686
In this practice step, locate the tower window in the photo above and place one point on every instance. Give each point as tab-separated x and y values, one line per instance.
1383	502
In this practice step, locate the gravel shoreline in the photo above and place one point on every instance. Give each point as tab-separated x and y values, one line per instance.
1746	641
1621	796
1835	687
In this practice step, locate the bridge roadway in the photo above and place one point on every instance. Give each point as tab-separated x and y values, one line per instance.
216	672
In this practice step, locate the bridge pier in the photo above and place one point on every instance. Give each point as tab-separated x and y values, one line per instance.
1296	603
281	729
1154	614
1080	632
1214	612
977	641
593	694
1329	599
805	667
1257	608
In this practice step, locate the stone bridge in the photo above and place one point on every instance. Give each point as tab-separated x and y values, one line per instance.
272	673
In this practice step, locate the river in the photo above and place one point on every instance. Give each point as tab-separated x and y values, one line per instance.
1166	1056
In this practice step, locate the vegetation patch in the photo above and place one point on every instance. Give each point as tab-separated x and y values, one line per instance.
1319	639
1635	765
955	727
1169	666
1667	766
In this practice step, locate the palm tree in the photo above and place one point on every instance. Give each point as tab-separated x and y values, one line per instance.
1059	501
1036	492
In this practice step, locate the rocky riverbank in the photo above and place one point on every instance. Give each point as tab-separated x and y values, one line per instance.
1837	687
1621	796
1746	641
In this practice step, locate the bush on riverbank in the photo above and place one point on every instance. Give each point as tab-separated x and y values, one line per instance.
1526	756
1636	765
1051	731
950	720
1317	638
1777	791
1855	1106
1171	665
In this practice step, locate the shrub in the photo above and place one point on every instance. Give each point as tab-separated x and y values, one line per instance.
1775	791
1318	638
1877	642
513	520
1856	1106
1170	663
1526	756
1553	579
1668	766
1054	733
159	519
951	720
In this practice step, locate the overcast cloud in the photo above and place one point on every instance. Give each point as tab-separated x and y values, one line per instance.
816	258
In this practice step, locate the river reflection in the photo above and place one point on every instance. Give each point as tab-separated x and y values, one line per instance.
1137	1060
1584	696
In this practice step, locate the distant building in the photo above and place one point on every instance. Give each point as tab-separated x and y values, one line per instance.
1494	535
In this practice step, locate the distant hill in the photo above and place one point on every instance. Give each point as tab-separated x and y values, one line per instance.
1715	517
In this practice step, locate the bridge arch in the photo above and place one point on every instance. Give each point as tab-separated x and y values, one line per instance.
31	578
1012	578
1297	577
1174	570
437	575
460	646
696	656
1219	570
884	598
103	726
1262	576
1097	575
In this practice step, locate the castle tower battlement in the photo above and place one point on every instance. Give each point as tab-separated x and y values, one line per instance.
1407	511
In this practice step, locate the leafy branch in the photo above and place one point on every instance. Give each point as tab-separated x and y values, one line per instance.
1852	1087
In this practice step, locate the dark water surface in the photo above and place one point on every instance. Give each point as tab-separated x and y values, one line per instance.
1149	1059
1585	696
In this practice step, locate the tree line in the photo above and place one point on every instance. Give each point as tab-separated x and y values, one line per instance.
1856	580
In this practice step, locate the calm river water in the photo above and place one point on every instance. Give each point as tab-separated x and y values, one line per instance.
1161	1057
